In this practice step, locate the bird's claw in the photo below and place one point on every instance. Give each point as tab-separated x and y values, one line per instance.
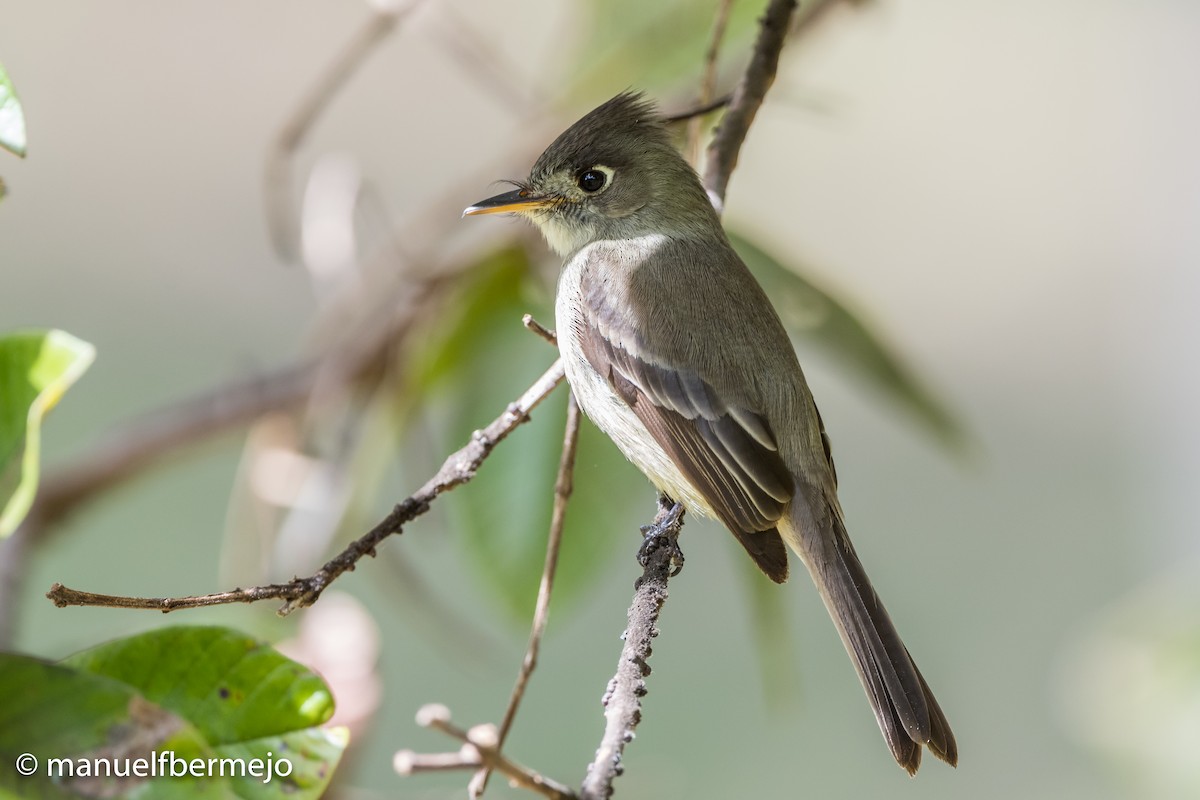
663	532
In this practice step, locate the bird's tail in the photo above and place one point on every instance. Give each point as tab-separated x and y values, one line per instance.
905	708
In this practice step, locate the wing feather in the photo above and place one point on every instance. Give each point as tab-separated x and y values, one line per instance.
727	452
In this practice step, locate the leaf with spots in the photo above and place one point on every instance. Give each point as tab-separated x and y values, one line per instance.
245	699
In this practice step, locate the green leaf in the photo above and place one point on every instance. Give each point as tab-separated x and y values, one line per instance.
245	699
231	686
12	118
817	317
484	360
50	711
36	367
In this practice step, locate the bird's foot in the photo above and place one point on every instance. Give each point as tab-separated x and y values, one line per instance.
664	532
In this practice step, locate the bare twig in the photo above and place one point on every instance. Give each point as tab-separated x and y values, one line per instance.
622	700
697	111
563	486
410	762
481	748
458	468
747	97
541	330
708	81
278	183
752	88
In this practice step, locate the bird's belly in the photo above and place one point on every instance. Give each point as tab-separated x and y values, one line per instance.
613	415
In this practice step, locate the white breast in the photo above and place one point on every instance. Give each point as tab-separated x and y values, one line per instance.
602	404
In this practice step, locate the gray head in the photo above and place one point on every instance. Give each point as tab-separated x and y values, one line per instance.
614	174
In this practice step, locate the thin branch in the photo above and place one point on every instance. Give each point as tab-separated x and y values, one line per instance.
458	468
747	97
622	700
563	486
132	447
541	330
481	748
278	177
697	111
409	762
708	81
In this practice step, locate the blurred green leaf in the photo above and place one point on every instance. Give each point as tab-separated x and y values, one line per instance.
626	42
245	699
483	361
36	367
12	118
817	317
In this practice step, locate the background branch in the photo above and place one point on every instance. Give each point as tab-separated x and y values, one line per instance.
132	447
280	215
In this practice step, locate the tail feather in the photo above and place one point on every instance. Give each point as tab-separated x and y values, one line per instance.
941	741
907	712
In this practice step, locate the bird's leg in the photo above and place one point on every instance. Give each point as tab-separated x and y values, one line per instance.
664	532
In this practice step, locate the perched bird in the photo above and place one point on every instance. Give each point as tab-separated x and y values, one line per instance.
673	349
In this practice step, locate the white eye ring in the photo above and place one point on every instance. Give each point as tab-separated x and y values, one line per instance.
594	179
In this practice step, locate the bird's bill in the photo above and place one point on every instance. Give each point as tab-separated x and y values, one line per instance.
516	200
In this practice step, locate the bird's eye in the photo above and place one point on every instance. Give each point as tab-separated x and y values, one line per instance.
591	180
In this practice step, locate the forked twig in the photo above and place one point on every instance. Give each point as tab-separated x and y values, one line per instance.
480	748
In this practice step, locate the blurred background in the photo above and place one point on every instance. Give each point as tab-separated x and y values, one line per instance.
1006	196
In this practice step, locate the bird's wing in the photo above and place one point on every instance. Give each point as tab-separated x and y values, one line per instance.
728	453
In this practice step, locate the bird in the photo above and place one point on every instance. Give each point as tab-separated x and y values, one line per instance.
673	349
